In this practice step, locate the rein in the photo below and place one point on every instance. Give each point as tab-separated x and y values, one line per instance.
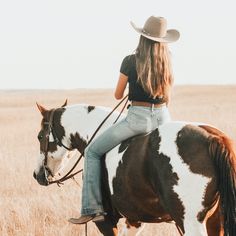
68	175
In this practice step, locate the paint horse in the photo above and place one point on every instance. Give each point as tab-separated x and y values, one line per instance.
182	172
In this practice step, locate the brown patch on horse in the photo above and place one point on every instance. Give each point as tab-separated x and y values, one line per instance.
60	131
223	140
57	129
78	142
213	148
90	108
193	147
109	226
148	179
51	146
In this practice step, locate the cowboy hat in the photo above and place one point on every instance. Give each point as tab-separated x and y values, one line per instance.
155	29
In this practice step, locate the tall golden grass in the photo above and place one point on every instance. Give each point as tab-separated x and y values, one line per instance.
28	209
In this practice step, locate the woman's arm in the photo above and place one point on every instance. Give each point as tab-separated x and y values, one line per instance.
121	85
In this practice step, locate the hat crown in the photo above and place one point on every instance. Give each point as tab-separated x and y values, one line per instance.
155	26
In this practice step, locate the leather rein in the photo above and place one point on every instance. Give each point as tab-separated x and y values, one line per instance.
51	131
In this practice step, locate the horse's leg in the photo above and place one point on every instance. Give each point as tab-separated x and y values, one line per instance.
214	224
107	228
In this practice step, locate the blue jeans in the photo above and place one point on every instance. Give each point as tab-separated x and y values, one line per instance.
139	120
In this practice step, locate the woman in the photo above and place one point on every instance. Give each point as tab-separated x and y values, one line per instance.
149	75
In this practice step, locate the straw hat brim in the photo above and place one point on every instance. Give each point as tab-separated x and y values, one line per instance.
171	36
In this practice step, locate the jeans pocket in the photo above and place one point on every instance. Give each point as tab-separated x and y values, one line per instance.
137	122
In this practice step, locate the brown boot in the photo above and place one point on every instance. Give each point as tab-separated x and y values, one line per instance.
86	218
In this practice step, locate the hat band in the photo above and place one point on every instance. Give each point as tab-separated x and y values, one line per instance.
148	34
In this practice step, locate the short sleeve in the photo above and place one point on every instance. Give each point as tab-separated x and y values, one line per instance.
125	66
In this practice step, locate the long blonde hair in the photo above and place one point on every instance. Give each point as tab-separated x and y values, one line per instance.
154	67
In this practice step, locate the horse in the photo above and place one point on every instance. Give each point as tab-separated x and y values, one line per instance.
181	172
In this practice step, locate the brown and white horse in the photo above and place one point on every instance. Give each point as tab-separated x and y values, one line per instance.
183	172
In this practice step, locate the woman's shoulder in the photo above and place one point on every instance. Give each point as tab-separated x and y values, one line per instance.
128	64
129	59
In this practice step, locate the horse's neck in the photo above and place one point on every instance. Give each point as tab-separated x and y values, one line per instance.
84	120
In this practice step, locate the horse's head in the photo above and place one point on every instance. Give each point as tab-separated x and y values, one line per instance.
53	152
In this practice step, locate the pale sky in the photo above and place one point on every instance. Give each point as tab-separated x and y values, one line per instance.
80	44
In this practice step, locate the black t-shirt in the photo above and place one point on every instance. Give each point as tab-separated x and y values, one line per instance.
136	91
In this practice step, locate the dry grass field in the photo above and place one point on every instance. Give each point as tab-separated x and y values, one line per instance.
28	209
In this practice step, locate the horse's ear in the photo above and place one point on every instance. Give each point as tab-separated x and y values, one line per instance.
65	104
41	109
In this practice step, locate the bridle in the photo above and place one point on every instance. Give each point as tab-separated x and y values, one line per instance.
51	131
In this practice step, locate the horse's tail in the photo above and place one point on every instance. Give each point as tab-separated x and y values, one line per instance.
224	158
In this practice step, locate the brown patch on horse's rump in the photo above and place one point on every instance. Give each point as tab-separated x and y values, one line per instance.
193	147
192	142
222	139
214	157
143	186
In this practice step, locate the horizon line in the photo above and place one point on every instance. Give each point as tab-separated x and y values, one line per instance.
93	88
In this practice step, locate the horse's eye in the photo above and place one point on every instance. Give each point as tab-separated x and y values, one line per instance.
40	137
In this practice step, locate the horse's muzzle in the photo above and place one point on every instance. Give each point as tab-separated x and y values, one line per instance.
41	177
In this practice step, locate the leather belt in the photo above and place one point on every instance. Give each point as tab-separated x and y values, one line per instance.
147	104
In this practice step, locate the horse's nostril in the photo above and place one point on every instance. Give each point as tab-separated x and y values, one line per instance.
34	175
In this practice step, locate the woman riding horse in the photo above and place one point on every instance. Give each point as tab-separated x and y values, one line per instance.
148	73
